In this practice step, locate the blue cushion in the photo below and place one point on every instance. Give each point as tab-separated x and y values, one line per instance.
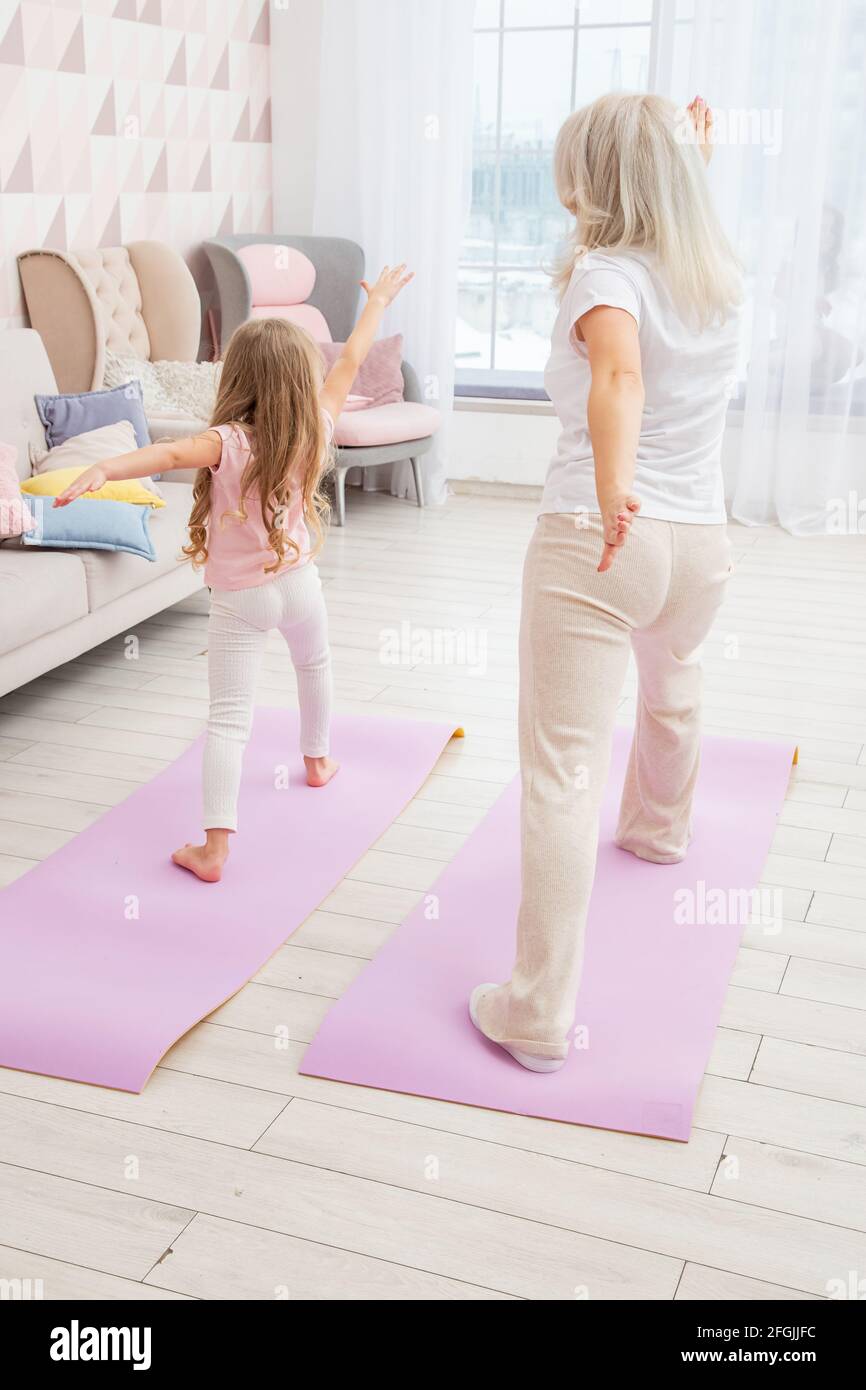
90	523
66	416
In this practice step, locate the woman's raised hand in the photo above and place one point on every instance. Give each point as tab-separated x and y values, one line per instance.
702	120
616	518
389	284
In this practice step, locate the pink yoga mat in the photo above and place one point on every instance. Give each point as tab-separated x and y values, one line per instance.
652	989
109	952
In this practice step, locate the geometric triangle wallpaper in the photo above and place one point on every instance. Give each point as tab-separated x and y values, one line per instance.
130	119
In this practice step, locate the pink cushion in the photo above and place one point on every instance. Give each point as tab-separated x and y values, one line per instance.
278	274
380	377
304	315
386	424
15	515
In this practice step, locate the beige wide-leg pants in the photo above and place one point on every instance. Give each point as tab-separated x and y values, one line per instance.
577	627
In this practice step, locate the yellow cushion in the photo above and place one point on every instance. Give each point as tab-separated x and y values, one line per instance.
53	483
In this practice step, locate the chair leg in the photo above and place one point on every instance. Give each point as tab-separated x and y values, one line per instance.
419	486
340	496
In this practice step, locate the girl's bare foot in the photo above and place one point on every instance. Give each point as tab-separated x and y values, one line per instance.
320	771
205	861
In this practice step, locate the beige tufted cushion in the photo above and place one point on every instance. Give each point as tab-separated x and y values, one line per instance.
115	284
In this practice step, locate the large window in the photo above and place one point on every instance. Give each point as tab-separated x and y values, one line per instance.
535	60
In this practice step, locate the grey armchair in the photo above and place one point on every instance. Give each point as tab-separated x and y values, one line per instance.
339	268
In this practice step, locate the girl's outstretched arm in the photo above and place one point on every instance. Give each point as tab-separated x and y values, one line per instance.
338	382
199	451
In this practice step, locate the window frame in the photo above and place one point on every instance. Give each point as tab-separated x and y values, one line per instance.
507	384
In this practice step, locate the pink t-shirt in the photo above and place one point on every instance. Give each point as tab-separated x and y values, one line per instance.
238	551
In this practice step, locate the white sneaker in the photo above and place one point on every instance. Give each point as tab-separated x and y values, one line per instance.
526	1059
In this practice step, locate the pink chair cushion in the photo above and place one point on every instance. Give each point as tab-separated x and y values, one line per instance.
304	315
278	274
381	375
15	515
386	424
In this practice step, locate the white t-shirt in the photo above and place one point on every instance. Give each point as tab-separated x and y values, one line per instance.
687	375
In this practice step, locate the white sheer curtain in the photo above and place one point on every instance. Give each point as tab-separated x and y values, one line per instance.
787	79
393	171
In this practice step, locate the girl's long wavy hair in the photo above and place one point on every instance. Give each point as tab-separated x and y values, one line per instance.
630	171
269	387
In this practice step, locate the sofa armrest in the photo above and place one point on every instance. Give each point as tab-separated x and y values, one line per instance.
175	427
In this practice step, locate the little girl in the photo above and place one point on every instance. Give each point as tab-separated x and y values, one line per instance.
261	464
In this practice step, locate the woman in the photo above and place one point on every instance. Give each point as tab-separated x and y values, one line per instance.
631	549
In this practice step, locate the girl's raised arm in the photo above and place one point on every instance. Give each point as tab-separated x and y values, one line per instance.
338	382
199	451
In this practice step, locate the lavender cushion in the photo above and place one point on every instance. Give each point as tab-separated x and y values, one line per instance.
65	416
381	376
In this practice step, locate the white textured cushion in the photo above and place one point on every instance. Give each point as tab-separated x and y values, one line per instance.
185	389
83	450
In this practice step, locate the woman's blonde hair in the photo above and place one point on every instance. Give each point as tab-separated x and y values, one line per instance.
630	171
269	387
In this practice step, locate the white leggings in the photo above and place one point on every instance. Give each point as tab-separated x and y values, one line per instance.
240	620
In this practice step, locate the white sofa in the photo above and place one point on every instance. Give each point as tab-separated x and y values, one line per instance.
56	604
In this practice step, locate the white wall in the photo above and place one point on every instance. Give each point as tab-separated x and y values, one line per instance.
501	445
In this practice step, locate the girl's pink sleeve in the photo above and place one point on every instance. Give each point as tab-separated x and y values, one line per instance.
329	424
224	432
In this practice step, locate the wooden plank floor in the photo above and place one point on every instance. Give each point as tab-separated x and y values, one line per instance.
234	1177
